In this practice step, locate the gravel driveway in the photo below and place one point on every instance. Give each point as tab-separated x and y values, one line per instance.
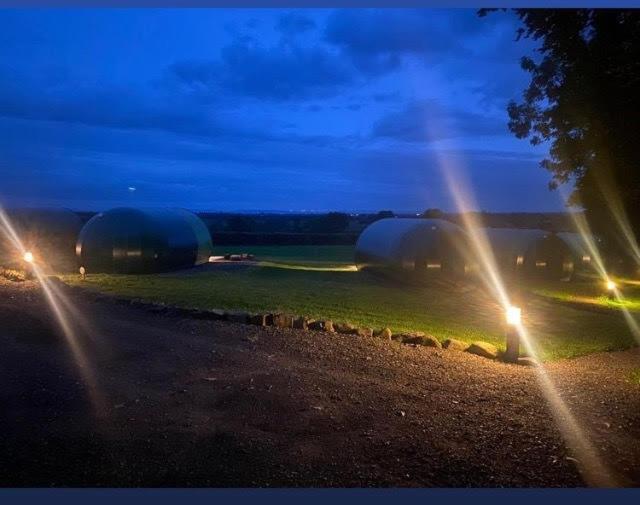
166	401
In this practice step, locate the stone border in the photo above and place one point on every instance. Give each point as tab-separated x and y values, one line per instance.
284	320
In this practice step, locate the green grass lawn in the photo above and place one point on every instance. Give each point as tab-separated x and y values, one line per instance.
303	255
593	293
557	330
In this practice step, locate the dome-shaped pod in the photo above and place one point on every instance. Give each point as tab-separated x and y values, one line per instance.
581	251
127	240
49	234
535	253
417	247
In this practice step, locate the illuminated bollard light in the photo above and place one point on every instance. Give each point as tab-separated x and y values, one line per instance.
83	273
611	289
514	316
29	260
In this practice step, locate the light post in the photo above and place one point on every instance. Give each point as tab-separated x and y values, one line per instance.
513	316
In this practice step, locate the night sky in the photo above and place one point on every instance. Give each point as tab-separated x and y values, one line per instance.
275	109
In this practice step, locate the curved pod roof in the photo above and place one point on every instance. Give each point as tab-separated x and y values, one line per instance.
127	240
410	244
537	252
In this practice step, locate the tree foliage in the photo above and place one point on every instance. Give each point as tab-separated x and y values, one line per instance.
584	100
432	214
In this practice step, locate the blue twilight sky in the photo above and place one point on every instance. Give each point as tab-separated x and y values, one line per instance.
271	109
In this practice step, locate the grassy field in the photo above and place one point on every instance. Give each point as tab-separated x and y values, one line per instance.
468	313
593	293
302	255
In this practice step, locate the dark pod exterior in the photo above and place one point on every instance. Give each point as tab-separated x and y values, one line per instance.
49	234
581	247
534	253
128	240
414	247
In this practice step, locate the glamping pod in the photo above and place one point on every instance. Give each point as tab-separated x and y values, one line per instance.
582	260
49	234
534	253
415	247
127	240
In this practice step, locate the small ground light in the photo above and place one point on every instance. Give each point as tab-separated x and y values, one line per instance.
83	272
514	317
28	257
611	288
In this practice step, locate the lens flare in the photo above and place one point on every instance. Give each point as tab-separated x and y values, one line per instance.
595	259
58	304
588	461
514	315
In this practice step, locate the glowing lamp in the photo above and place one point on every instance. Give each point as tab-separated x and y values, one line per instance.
28	257
611	285
514	315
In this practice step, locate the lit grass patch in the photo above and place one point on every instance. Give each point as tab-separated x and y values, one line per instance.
634	376
559	331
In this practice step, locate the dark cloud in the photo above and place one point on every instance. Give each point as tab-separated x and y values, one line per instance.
282	72
427	120
377	40
97	105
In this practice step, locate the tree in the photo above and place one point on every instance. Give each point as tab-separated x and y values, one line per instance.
333	222
584	99
432	214
383	214
240	223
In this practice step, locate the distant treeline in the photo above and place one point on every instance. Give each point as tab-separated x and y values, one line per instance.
339	228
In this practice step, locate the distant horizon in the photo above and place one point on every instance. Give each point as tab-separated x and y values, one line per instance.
415	213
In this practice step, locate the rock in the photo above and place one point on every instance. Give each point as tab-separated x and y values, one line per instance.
216	314
321	326
384	333
283	320
420	338
345	328
258	319
483	349
527	361
237	317
364	332
200	314
455	345
316	325
400	337
301	323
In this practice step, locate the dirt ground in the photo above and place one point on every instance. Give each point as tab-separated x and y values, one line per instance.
143	399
